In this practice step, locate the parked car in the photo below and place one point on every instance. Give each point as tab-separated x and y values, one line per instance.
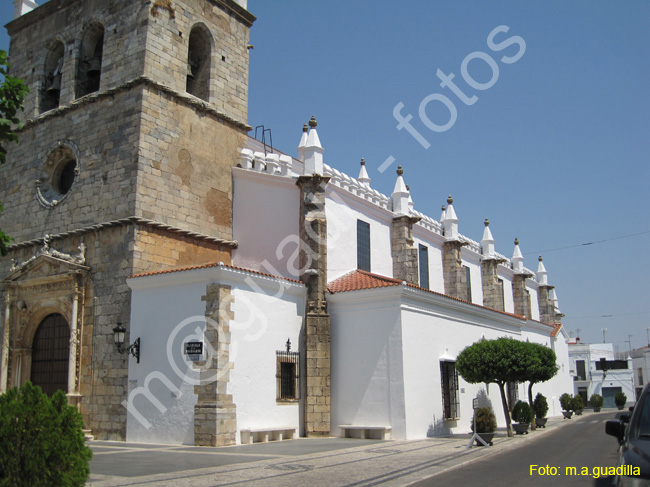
632	429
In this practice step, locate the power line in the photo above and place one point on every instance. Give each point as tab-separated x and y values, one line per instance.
587	243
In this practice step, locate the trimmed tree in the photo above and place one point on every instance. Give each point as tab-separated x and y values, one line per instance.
543	367
41	440
12	94
495	361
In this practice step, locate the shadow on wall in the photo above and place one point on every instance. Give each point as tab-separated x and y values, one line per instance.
440	427
484	400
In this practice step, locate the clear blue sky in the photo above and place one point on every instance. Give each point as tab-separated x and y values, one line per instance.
555	152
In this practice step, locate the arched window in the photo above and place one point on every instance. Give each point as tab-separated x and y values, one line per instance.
51	88
89	65
198	63
50	353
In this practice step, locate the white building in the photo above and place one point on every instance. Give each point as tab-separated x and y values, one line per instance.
595	370
374	299
641	365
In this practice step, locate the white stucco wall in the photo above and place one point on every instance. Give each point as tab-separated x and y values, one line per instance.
366	362
266	217
343	210
473	261
425	329
167	310
434	250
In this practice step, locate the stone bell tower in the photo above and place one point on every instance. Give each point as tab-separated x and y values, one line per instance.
136	113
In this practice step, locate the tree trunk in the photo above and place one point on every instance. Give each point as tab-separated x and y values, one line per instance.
506	412
533	425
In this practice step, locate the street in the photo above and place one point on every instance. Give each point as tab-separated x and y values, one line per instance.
584	444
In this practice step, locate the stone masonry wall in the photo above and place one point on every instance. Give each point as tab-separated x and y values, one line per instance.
215	414
106	139
492	289
452	267
313	236
546	306
185	166
156	249
168	43
124	24
521	295
403	251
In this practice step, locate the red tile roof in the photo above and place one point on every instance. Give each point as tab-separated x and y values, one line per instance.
557	327
358	280
206	266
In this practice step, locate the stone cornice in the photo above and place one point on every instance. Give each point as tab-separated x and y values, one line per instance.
189	100
133	220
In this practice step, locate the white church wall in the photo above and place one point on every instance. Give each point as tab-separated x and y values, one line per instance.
343	210
262	326
167	311
161	399
506	275
435	331
366	361
434	251
266	217
473	262
533	287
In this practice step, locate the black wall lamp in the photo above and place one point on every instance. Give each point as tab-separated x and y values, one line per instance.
118	334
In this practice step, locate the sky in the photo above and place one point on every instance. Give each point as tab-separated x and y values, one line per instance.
553	150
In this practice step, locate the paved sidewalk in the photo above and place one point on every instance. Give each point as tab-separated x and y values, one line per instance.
313	462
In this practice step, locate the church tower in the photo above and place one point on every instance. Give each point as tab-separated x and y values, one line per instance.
136	113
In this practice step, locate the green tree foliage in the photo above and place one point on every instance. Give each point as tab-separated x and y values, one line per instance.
596	401
12	94
543	367
522	413
566	401
540	406
41	440
495	361
486	422
620	399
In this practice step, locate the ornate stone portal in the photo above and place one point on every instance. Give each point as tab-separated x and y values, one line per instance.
51	282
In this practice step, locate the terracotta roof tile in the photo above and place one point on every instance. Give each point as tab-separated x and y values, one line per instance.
206	266
357	280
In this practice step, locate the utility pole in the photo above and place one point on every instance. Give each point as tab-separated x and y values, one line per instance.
604	330
647	330
629	341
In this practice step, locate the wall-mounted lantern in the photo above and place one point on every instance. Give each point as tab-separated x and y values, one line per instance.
118	334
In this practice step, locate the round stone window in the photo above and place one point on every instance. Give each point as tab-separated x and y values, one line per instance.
58	175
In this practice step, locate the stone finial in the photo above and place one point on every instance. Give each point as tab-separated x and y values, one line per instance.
542	275
442	216
313	151
363	174
400	195
517	258
450	221
305	128
487	243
